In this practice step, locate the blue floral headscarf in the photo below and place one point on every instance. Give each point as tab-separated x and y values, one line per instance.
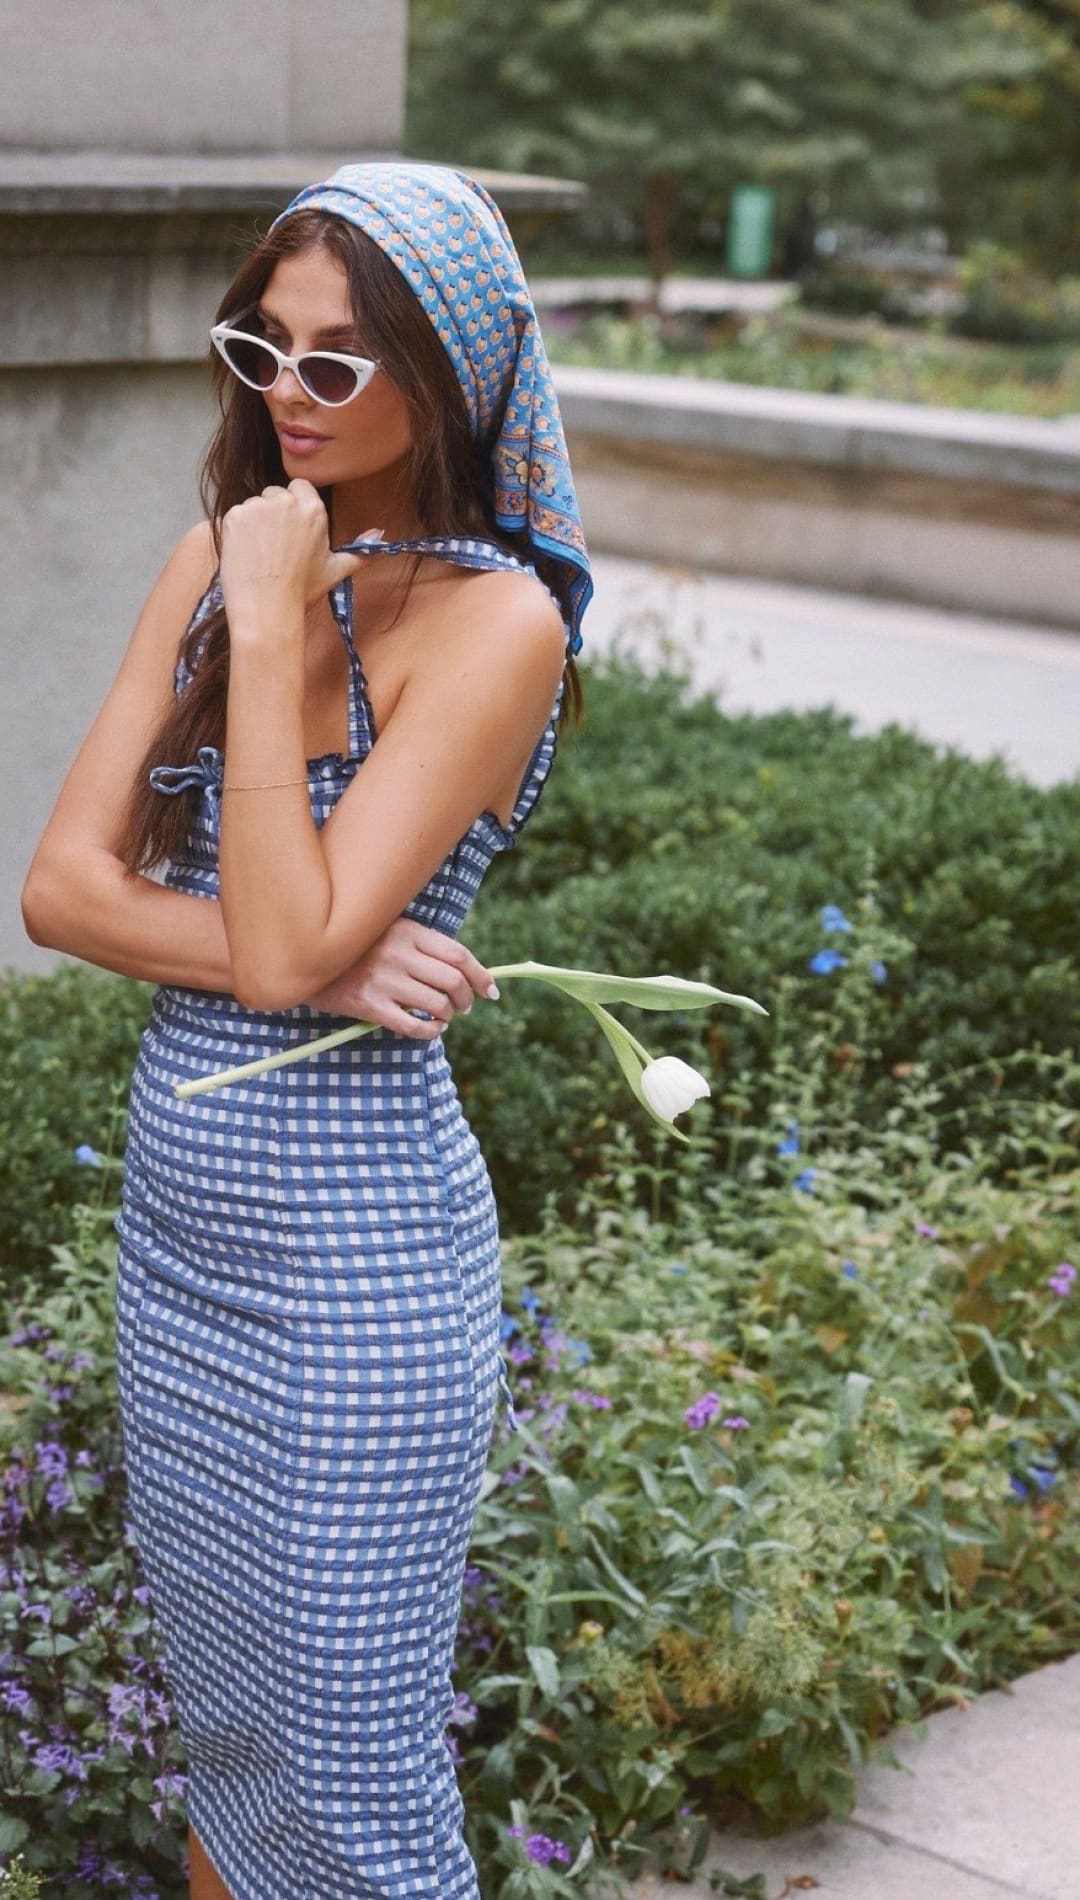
450	241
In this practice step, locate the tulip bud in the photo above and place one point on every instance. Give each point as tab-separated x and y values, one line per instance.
670	1085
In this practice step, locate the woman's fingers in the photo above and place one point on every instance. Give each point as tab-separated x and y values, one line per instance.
460	973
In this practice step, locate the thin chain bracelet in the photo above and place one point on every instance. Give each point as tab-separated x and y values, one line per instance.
271	785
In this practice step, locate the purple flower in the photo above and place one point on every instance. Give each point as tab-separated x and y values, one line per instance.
832	918
701	1411
736	1423
598	1400
790	1143
87	1157
824	961
925	1231
519	1355
1060	1281
52	1459
14	1696
804	1180
540	1847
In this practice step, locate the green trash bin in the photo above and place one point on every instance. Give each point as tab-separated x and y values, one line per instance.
750	230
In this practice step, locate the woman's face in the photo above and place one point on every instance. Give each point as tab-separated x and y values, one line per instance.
305	298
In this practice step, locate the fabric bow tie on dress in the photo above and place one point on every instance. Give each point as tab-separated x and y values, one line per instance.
451	243
205	771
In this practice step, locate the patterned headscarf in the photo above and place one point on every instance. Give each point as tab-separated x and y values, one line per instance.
450	241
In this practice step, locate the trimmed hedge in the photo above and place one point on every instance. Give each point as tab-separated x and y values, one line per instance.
673	837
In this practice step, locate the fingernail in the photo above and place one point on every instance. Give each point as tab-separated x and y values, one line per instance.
467	1007
493	992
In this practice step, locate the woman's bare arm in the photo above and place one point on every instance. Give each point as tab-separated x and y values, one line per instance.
301	904
78	897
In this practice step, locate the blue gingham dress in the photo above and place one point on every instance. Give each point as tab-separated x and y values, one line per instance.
308	1364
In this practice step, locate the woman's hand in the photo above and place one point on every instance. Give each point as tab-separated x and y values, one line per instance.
409	967
275	556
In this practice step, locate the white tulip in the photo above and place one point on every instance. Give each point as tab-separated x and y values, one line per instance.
669	1085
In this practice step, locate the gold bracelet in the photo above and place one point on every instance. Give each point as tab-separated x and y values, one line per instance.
270	786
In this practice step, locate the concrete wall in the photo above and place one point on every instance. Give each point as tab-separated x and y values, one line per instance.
99	485
204	75
955	508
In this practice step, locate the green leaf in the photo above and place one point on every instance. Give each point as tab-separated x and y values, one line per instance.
13	1833
645	992
545	1667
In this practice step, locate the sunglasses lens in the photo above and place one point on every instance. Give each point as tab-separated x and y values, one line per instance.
328	381
250	360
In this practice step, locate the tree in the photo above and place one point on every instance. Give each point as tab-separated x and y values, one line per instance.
663	107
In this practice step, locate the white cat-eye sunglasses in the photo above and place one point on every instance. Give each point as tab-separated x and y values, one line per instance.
330	377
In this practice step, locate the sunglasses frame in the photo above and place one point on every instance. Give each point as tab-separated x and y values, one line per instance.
364	366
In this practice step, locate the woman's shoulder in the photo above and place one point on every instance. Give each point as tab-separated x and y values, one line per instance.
507	598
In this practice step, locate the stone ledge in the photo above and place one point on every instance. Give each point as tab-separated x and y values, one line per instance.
37	183
794	426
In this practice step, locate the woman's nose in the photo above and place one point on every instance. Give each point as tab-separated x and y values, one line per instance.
287	376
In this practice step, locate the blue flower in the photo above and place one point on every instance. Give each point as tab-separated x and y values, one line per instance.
1042	1476
804	1180
507	1326
1018	1487
878	971
87	1156
823	961
849	1269
790	1143
530	1300
577	1350
832	918
676	1266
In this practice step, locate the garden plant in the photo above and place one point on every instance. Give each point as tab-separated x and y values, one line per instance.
799	1444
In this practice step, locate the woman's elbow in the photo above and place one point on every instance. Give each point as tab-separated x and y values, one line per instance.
36	907
267	989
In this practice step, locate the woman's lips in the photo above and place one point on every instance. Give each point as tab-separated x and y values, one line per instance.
300	444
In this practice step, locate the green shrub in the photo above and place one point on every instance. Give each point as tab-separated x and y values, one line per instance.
91	1778
672	837
68	1041
1006	302
799	1459
845	291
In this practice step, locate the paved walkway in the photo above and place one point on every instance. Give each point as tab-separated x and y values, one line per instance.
979	685
984	1808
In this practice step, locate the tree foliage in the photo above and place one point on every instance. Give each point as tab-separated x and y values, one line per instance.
890	112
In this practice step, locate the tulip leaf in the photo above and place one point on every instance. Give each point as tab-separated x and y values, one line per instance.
645	992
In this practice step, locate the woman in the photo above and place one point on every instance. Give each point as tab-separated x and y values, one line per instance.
308	1293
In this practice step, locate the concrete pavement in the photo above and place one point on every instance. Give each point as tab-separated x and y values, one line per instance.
984	1808
977	684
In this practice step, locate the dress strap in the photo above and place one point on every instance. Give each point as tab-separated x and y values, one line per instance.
462	550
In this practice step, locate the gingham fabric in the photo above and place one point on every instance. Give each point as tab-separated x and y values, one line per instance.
308	1362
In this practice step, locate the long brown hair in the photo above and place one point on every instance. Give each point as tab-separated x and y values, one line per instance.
450	475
